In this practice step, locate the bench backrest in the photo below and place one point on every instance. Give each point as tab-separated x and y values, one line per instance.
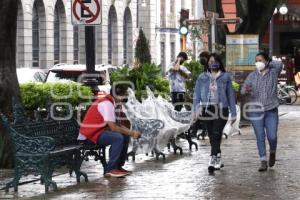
63	132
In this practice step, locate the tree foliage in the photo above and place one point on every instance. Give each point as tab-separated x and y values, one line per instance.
141	77
256	15
142	50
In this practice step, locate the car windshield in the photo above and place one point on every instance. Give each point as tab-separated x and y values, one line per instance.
55	76
65	76
29	75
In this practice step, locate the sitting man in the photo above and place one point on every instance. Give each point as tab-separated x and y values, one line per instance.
99	126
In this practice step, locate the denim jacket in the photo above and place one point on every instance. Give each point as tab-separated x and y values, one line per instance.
226	96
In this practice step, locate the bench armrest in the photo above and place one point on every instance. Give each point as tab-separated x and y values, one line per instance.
182	117
24	144
147	126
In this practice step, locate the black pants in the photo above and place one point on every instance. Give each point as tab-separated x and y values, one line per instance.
215	120
178	100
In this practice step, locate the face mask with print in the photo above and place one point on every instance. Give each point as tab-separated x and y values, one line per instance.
214	66
260	66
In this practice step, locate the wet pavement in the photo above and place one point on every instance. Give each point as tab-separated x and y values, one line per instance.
186	177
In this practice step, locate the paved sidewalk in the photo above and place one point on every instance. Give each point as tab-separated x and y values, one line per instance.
186	177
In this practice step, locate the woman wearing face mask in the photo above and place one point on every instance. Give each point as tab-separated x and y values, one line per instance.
261	89
213	98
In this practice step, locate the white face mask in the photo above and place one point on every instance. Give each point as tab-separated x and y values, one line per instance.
260	66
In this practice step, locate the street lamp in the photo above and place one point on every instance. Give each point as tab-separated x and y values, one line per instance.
283	9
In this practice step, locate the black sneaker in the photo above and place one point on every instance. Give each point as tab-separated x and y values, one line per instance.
263	166
272	159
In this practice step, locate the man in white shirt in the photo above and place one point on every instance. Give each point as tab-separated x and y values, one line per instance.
177	75
99	126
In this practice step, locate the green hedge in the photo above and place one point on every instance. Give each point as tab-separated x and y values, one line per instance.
35	95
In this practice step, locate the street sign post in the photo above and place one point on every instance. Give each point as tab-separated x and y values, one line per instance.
213	19
88	13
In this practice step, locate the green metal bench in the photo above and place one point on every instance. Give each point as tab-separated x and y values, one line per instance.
44	145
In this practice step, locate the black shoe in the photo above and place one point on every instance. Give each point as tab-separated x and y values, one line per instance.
263	166
272	159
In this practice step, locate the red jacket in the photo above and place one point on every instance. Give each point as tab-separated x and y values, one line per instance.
93	123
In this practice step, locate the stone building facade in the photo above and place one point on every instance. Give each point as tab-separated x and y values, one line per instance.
46	36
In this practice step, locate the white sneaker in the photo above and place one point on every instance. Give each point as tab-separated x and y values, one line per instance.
218	163
212	163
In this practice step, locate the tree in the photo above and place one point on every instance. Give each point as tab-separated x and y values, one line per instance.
142	50
9	86
256	15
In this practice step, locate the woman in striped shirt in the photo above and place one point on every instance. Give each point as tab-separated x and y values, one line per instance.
261	89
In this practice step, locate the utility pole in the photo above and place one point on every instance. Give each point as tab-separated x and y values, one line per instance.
90	49
211	6
271	36
213	33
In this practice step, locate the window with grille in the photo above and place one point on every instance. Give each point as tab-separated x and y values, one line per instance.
110	42
125	40
75	45
162	55
162	13
56	35
172	51
35	36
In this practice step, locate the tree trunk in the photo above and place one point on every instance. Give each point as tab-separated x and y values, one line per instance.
256	15
222	30
9	86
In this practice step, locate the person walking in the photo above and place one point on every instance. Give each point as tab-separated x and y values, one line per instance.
260	87
213	99
177	75
198	124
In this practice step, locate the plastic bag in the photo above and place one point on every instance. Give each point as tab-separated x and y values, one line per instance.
233	129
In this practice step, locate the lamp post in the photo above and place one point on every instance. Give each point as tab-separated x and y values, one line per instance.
283	10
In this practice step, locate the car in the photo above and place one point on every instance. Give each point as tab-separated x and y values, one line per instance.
26	75
77	73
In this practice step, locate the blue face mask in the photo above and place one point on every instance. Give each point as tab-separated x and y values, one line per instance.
214	66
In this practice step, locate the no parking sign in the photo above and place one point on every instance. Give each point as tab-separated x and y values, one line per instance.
86	12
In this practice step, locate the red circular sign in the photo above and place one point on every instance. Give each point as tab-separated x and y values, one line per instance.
87	9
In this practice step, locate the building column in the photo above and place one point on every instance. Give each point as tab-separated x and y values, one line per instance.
27	14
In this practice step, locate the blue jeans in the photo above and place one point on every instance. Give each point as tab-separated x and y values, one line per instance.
118	148
265	123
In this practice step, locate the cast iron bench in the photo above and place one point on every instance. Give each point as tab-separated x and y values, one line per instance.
149	129
44	145
185	118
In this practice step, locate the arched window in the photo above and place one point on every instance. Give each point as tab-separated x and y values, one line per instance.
127	37
39	35
56	35
112	35
60	30
20	36
75	45
35	36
